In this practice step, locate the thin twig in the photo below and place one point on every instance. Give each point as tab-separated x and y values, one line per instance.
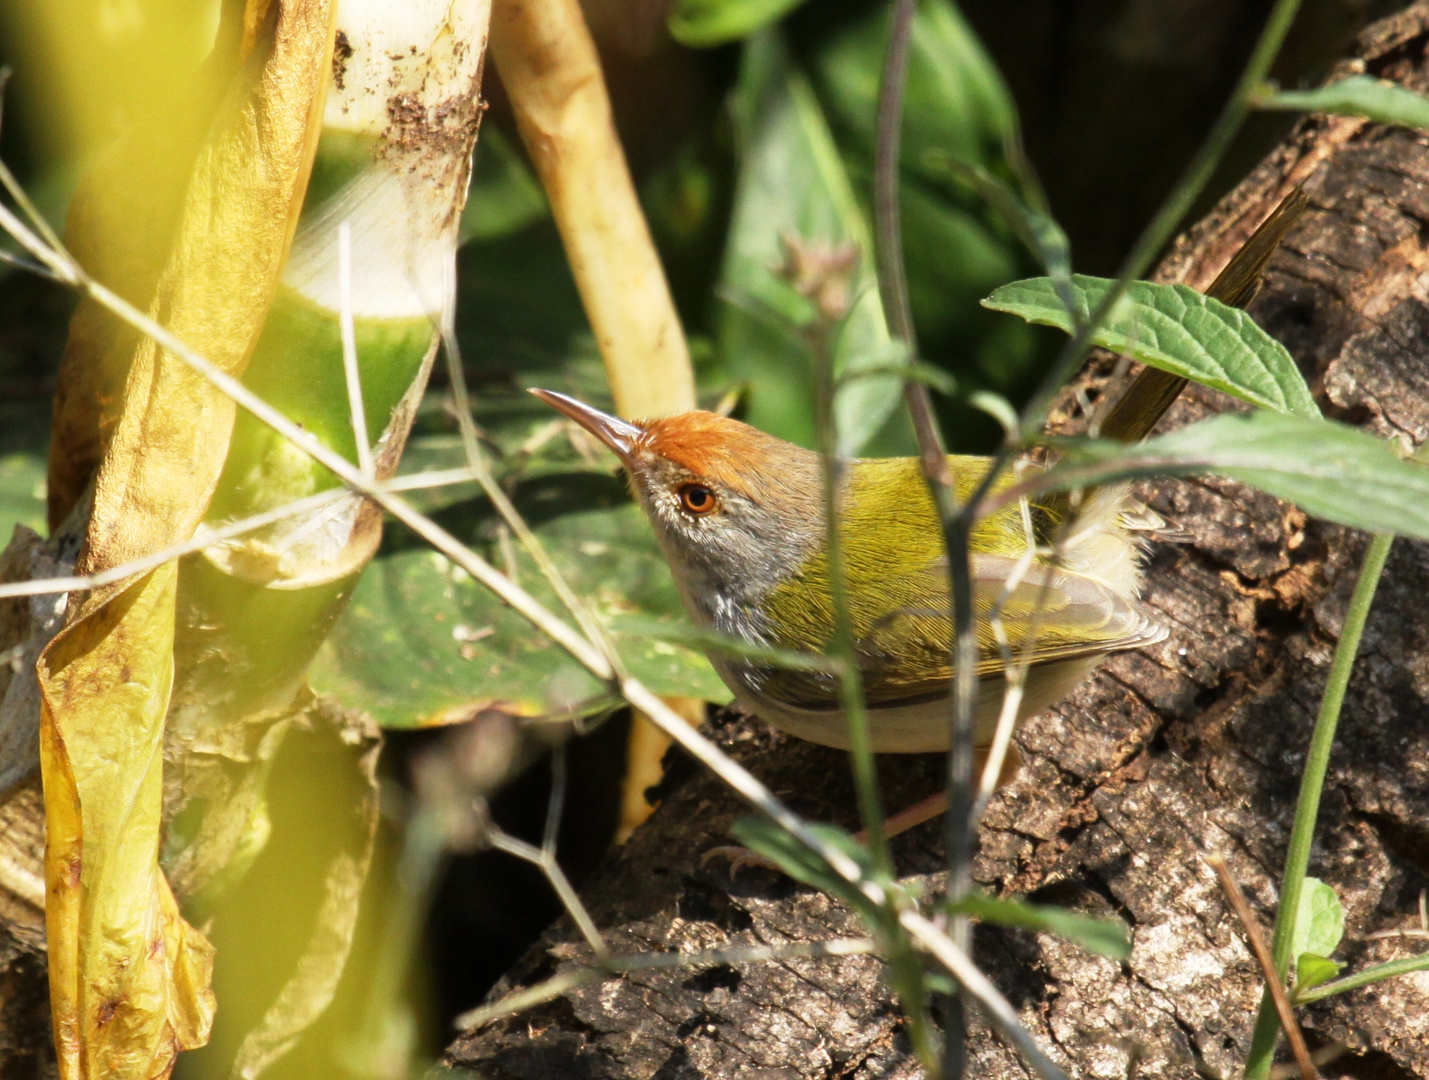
544	858
892	275
557	985
211	536
476	461
353	377
893	291
818	339
1273	981
1312	784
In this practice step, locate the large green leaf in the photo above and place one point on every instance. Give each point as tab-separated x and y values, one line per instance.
1327	469
22	494
1358	95
792	183
1175	328
1320	923
423	643
702	23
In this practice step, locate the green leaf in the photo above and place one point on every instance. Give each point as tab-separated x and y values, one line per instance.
955	103
22	494
1105	937
1357	95
1319	926
1311	971
1038	230
504	197
1320	922
423	643
703	23
1327	469
792	182
1177	329
788	853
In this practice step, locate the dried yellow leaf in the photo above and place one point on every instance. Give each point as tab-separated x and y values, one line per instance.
129	978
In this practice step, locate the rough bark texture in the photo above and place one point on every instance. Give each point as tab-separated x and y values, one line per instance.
1192	746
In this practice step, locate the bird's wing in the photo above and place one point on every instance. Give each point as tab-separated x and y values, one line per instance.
1024	611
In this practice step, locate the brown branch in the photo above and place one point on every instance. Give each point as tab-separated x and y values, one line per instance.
1238	904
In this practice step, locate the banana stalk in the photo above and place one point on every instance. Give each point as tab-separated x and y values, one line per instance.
306	197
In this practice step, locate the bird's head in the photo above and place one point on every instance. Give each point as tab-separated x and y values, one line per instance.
736	511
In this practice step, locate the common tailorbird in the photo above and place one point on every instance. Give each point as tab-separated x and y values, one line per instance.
739	516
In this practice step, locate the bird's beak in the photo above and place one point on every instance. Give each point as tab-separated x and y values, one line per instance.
619	435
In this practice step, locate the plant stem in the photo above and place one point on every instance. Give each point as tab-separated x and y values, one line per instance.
888	251
893	291
1154	237
1307	807
1368	977
865	774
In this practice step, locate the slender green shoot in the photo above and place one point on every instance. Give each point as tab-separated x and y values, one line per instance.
1368	977
1307	807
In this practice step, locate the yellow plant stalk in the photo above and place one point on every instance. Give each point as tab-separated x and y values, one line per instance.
128	977
547	60
376	242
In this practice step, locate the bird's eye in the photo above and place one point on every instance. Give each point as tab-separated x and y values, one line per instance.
696	499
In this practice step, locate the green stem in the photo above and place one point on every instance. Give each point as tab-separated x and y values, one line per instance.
1307	807
865	774
1367	977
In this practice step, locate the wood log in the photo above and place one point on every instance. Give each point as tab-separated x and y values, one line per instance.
1189	747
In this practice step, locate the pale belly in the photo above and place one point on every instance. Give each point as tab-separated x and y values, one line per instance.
922	726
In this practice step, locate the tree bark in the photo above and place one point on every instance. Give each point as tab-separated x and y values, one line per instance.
1189	747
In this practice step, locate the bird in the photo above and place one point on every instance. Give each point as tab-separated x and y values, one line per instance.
1056	581
740	517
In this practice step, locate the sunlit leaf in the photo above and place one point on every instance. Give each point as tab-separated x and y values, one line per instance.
1105	937
1177	329
702	23
1320	922
1328	469
1312	971
1357	95
422	643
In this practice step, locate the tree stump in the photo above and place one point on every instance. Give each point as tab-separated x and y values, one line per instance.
1190	747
